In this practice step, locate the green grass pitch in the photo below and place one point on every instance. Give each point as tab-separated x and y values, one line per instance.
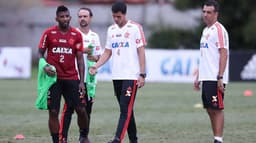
165	113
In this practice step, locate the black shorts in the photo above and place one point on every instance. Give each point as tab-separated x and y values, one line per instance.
70	91
212	97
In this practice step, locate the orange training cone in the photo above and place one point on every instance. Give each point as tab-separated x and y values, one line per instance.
19	137
248	92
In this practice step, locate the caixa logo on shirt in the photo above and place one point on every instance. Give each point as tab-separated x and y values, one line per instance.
204	45
120	45
62	50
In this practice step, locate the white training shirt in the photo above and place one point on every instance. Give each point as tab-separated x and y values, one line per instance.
124	43
90	38
212	39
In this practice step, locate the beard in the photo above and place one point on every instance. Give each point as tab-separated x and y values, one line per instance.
64	25
83	23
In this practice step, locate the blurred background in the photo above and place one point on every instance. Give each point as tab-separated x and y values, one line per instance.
167	107
172	28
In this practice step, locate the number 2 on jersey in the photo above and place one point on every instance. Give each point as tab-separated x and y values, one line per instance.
61	58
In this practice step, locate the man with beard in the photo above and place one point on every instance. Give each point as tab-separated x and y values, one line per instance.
92	54
64	47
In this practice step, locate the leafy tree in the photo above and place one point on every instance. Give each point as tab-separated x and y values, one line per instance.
169	38
239	18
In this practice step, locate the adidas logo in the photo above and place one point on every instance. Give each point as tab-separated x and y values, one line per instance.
249	70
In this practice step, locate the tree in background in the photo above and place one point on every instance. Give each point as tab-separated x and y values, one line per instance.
169	38
239	18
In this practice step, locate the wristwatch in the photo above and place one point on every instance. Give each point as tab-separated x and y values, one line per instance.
143	75
219	77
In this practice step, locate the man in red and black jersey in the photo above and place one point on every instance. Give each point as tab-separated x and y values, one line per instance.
64	48
90	38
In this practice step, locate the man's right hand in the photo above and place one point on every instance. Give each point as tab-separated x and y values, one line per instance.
49	71
87	50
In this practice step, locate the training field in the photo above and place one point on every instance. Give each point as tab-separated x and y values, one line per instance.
165	113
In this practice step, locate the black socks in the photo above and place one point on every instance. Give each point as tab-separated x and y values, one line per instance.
55	137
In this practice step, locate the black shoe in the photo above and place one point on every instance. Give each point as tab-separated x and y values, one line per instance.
216	141
114	141
84	140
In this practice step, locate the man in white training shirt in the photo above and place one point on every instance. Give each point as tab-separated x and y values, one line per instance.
125	43
213	67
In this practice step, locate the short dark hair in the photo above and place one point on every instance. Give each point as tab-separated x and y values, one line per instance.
213	3
61	8
119	7
88	9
